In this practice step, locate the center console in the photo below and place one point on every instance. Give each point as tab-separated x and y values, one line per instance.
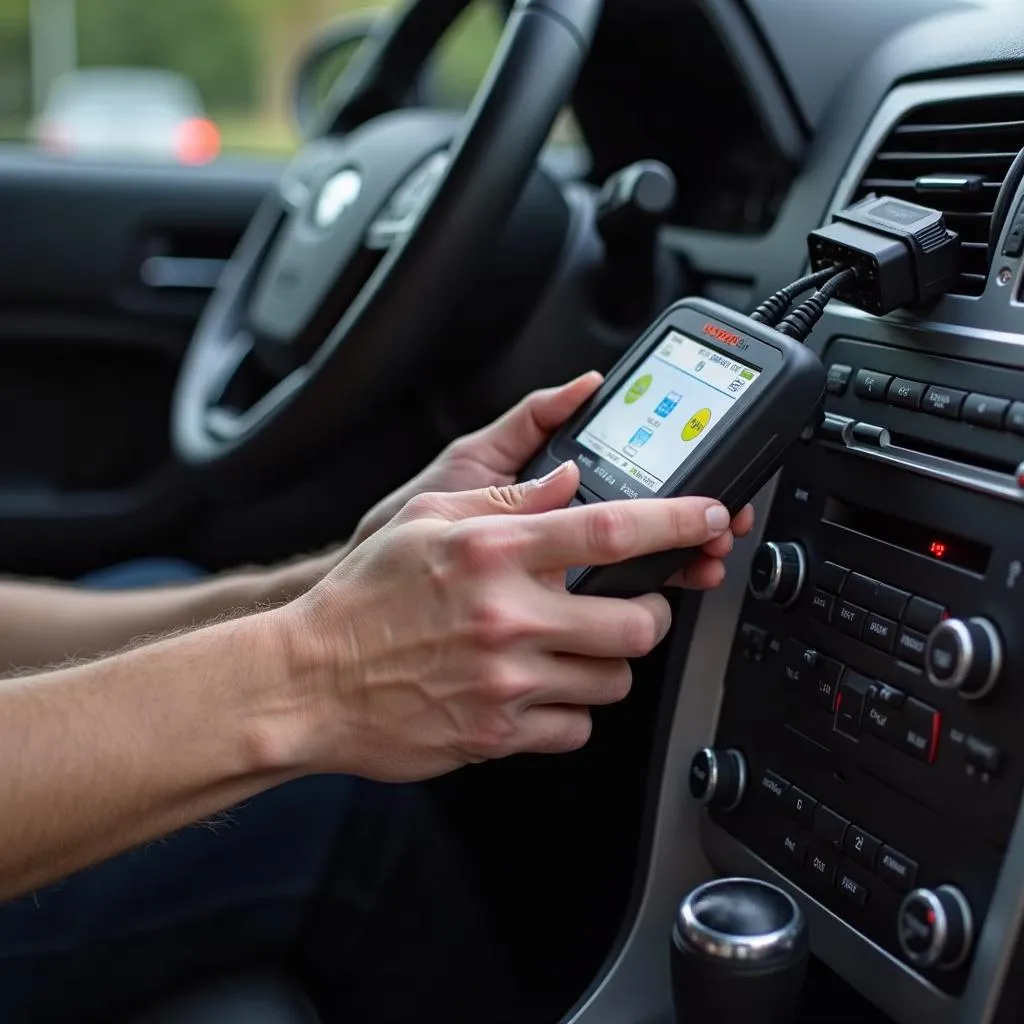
871	693
850	725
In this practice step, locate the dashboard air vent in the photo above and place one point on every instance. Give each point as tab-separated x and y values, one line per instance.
953	156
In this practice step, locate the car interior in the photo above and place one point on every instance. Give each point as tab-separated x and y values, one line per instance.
229	361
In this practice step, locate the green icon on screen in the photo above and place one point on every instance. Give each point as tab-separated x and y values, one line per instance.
747	374
639	388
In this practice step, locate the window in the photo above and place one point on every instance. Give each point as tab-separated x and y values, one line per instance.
185	81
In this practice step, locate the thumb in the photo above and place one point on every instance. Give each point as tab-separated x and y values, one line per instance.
508	443
532	497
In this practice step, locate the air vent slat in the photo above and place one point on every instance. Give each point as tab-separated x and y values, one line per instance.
947	159
975	140
959	129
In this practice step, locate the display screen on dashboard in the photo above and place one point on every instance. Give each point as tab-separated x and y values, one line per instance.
663	412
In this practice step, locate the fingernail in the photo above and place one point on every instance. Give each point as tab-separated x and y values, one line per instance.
718	519
548	477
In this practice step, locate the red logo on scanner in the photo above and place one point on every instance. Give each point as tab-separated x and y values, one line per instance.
722	335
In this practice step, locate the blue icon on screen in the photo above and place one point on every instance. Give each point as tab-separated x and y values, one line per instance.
641	437
668	403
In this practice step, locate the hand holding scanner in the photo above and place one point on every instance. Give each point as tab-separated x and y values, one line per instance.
706	403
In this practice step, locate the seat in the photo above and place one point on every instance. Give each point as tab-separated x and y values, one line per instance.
252	998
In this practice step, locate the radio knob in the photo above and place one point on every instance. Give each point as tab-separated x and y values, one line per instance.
718	778
965	655
778	572
936	927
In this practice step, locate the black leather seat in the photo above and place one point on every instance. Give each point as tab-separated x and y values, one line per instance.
254	998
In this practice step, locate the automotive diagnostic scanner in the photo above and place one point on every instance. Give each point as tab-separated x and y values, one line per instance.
706	403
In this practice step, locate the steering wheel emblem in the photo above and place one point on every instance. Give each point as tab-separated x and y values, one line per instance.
337	195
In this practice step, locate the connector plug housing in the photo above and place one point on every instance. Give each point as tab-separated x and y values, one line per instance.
904	254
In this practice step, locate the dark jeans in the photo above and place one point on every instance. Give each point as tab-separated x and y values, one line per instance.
355	887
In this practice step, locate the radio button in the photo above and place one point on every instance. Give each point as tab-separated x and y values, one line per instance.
773	787
851	888
897	869
850	619
1015	418
919	730
861	846
871	384
822	603
838	379
889	601
906	393
826	683
923	615
983	756
800	805
753	640
910	647
882	713
718	778
986	411
830	826
799	663
936	928
822	867
860	589
942	401
850	704
833	576
880	633
778	572
965	656
794	847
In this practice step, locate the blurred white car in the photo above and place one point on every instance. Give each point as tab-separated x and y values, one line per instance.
127	113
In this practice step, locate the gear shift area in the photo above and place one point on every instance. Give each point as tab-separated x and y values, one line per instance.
739	954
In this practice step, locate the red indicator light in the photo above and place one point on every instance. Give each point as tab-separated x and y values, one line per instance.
930	917
937	548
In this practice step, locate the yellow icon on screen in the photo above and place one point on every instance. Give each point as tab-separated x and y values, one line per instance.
695	425
639	388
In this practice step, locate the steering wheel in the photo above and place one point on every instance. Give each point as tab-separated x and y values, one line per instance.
337	292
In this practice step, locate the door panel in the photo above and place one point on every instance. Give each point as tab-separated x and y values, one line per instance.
105	271
146	134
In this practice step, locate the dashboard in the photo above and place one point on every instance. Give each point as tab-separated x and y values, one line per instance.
861	664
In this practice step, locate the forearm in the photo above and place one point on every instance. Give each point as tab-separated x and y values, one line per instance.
102	757
46	624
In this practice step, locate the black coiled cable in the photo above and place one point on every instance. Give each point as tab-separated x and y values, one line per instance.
773	309
799	324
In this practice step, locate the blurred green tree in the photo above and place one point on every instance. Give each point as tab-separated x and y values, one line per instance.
210	41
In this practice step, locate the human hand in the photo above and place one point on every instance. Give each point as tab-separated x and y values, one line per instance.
495	455
448	638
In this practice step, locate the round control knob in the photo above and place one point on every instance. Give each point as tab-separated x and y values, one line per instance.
936	927
965	655
718	778
778	573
